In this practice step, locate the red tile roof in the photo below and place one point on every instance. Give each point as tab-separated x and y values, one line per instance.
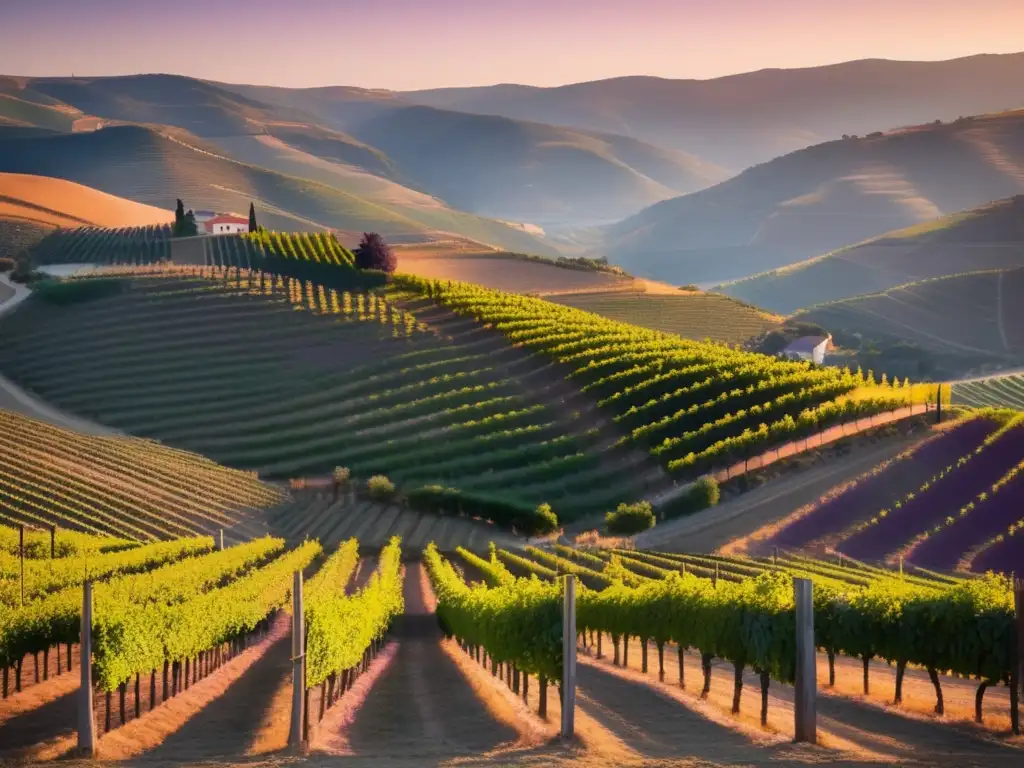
224	219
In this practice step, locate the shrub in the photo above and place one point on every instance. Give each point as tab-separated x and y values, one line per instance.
438	500
63	292
380	487
630	518
703	494
7	265
545	519
341	475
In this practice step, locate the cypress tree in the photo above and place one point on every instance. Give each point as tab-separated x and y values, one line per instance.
252	218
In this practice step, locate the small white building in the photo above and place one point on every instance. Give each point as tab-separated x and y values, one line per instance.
225	224
811	348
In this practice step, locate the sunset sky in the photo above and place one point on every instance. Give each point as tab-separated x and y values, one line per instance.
407	44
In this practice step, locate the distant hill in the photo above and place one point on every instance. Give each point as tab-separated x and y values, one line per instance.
988	237
149	167
740	120
822	198
491	166
494	166
942	328
33	206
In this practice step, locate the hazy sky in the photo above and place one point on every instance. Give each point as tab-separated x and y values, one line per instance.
405	44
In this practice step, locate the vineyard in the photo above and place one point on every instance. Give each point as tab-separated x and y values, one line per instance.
94	245
693	316
997	392
739	611
287	379
174	623
694	406
119	486
951	501
332	519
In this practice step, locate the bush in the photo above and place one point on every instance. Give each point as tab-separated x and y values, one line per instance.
341	475
438	500
630	518
7	265
545	519
380	487
703	494
63	292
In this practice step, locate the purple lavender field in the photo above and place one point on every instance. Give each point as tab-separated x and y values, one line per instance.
944	498
1006	556
942	551
873	493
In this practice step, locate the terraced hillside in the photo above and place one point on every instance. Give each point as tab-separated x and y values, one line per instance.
960	323
120	486
952	501
292	381
983	238
156	168
331	519
996	392
693	316
695	406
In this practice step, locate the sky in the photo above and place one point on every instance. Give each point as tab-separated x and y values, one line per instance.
411	44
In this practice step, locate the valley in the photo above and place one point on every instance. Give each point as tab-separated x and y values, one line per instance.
625	422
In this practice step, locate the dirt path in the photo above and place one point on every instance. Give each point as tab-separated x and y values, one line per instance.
421	704
248	716
857	730
713	528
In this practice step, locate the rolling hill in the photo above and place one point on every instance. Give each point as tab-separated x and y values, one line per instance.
968	322
740	120
824	197
487	165
494	166
32	206
988	237
151	167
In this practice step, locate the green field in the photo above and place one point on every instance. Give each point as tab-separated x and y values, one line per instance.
700	316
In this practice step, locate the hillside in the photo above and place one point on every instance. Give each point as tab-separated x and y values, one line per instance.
954	324
32	206
987	237
950	501
487	165
120	486
824	197
148	167
740	120
494	166
695	316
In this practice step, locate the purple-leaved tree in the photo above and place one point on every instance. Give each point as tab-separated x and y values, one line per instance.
374	253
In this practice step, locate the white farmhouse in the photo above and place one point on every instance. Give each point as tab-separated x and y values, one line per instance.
811	348
225	224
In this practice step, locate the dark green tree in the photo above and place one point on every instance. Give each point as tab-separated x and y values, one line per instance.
252	218
179	217
189	228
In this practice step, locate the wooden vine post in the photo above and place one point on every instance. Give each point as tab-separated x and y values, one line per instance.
220	541
86	718
1017	670
295	733
806	683
21	554
569	657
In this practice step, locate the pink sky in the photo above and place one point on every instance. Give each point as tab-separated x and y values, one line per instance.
406	44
